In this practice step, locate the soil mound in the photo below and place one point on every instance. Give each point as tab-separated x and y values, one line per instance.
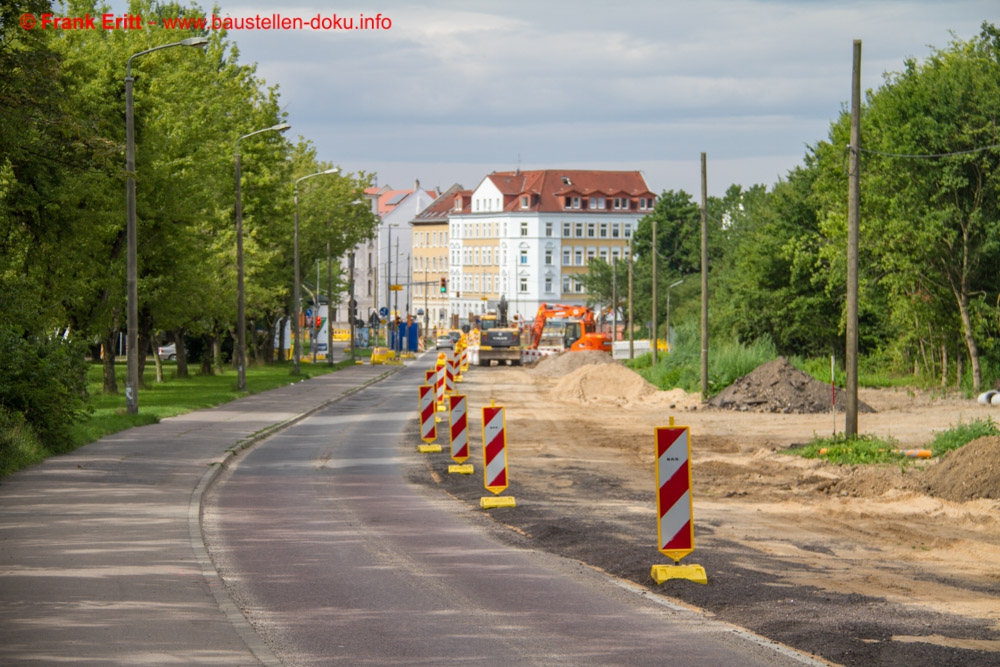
777	386
604	383
967	473
564	363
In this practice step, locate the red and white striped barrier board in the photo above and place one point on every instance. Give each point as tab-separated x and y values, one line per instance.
431	376
439	382
465	359
449	374
495	448
674	528
428	429
459	428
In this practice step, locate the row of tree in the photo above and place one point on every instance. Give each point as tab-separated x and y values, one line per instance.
62	201
930	231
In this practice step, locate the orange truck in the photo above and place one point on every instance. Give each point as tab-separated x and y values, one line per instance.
567	327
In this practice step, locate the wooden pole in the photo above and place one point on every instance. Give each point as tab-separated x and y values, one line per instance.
704	277
853	224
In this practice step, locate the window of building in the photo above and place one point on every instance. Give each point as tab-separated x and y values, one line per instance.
369	288
615	230
576	202
476	288
548	258
604	254
524	285
524	229
568	202
604	230
591	230
615	254
524	202
628	230
567	257
524	257
578	255
566	229
591	254
577	286
565	284
578	228
548	285
548	229
476	256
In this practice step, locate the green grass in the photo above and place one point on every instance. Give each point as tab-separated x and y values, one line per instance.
963	434
865	449
19	447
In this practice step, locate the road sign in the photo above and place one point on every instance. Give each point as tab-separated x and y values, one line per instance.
494	449
383	311
395	288
459	428
675	524
309	312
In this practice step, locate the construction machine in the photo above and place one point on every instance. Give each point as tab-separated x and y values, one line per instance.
566	327
497	340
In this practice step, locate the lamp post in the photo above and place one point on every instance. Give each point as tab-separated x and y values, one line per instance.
669	287
241	321
132	322
298	288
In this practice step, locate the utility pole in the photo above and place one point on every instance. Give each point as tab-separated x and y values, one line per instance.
853	223
704	277
631	337
614	303
351	303
655	253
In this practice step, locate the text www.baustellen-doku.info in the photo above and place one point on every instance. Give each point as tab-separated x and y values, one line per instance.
274	21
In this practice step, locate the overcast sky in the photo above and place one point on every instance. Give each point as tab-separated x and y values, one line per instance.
454	90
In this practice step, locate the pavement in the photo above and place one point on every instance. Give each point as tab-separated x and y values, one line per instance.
101	553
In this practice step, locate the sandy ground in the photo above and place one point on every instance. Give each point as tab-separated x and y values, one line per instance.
859	566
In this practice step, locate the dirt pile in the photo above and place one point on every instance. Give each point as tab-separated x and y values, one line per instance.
777	386
564	363
602	383
967	473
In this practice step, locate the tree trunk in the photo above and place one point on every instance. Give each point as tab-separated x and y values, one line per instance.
958	369
944	366
108	341
281	339
970	341
144	341
156	359
217	353
206	357
182	357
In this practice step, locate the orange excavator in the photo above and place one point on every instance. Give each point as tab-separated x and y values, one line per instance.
568	328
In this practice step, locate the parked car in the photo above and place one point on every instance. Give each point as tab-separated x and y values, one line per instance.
444	340
167	352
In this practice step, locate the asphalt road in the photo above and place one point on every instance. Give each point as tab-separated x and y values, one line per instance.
335	559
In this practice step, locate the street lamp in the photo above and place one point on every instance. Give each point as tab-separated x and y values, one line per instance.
298	297
241	322
669	287
132	322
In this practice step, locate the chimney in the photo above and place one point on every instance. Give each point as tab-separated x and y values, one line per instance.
416	184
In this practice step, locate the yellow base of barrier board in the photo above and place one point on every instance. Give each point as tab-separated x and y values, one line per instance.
466	469
441	408
428	449
695	573
497	501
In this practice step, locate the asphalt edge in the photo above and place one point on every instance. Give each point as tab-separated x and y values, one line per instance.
233	614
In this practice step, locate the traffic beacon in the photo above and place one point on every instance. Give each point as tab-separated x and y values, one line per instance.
674	525
495	457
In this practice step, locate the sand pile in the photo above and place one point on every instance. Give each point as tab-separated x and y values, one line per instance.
564	363
602	383
967	473
777	386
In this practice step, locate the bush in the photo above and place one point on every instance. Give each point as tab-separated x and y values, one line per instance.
19	446
963	434
44	381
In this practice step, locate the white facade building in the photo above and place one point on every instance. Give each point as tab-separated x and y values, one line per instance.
528	235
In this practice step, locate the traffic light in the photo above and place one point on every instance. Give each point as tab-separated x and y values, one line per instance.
444	285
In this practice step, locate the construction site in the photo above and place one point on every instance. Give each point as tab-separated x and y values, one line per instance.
857	565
